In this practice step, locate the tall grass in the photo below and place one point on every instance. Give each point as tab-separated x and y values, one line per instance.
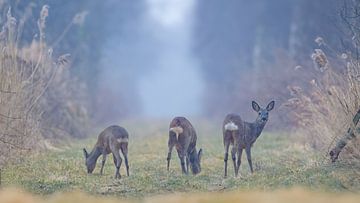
325	111
37	92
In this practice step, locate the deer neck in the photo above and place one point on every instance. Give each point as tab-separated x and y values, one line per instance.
258	127
94	154
193	154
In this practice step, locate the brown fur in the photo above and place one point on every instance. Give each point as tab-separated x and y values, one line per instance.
242	135
111	140
182	135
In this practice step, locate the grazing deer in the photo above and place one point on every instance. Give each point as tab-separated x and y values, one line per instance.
242	135
182	135
111	140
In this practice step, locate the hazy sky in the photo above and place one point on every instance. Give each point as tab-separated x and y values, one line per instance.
158	51
174	88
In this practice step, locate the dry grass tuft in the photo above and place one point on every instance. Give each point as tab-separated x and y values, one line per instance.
38	96
324	112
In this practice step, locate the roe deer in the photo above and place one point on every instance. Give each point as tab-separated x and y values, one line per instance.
182	135
111	140
242	135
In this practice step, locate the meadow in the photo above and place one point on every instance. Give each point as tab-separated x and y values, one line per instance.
280	161
48	102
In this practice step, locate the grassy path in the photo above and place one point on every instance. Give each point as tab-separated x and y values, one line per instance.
279	162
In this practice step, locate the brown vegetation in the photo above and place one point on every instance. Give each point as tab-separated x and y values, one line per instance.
324	112
38	96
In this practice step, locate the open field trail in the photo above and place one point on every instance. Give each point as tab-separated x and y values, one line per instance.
279	162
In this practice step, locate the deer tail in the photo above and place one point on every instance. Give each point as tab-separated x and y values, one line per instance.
231	126
123	140
177	130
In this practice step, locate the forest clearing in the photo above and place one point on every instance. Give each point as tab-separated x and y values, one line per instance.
179	101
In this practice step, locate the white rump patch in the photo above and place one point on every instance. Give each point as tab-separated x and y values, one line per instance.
122	140
231	126
178	130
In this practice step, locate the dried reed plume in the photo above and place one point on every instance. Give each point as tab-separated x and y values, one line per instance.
320	60
320	41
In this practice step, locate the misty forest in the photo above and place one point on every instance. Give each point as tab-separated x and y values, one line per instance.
179	100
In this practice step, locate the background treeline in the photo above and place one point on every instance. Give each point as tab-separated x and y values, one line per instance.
248	50
83	28
242	46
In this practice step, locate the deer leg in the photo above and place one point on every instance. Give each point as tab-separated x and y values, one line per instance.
127	164
118	163
240	150
233	157
248	154
226	158
114	159
103	162
171	146
182	161
187	164
124	151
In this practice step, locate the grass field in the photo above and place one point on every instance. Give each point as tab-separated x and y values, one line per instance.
279	162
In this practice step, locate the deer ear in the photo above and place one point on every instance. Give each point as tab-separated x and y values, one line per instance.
200	154
270	106
85	153
255	106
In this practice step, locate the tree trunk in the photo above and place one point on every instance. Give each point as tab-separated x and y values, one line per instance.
350	135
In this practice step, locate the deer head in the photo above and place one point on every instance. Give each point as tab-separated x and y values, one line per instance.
263	113
90	163
195	159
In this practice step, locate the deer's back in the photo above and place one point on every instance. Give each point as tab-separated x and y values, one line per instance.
186	139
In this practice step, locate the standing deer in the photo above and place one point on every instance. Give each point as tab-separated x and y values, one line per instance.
111	140
182	135
242	135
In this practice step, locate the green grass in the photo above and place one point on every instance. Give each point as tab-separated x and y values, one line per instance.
279	162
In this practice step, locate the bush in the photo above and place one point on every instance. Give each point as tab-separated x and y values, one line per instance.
325	111
38	96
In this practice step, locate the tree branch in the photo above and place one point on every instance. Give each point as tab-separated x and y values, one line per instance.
12	144
10	117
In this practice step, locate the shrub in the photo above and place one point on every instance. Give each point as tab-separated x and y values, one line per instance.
38	96
325	111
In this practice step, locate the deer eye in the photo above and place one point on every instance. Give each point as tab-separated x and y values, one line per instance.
259	113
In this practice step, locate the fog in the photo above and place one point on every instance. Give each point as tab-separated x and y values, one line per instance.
165	73
196	58
174	87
